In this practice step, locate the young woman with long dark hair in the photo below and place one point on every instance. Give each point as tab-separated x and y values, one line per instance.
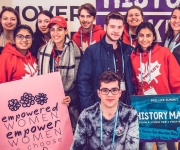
132	19
172	36
42	34
62	55
16	59
156	70
9	20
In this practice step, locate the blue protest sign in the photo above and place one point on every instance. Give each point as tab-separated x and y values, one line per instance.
159	117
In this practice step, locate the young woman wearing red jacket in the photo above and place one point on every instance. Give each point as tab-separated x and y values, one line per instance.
156	70
132	19
16	60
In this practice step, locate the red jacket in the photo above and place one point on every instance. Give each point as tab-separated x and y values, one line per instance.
97	34
15	66
165	71
126	37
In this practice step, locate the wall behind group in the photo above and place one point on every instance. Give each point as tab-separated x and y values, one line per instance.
156	11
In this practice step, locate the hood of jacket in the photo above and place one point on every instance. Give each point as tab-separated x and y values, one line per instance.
155	48
11	49
126	31
94	29
126	38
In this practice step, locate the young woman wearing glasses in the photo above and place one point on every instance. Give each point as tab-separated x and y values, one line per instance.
16	59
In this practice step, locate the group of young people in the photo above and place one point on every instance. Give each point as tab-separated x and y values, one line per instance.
100	69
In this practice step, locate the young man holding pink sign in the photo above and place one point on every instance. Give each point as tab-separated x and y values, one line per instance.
108	124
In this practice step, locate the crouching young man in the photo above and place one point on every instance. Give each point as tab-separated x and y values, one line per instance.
108	124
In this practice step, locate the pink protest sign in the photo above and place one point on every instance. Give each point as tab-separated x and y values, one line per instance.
32	116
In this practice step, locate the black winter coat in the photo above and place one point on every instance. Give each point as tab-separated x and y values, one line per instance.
97	59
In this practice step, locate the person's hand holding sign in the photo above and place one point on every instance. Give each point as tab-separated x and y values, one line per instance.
66	100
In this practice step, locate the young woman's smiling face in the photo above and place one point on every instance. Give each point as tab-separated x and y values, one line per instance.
175	21
134	17
23	40
8	20
58	33
145	38
42	22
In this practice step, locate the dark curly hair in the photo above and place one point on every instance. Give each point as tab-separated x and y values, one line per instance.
109	76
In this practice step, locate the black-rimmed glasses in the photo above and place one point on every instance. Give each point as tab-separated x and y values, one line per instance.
21	37
106	91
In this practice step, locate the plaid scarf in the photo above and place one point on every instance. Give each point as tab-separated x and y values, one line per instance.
67	66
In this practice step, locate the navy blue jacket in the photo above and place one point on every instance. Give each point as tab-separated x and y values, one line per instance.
97	59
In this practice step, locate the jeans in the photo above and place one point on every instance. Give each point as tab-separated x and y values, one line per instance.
171	146
149	146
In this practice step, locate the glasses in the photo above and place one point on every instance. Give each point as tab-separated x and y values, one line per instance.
114	91
21	37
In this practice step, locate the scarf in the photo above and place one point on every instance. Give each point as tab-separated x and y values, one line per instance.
67	66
